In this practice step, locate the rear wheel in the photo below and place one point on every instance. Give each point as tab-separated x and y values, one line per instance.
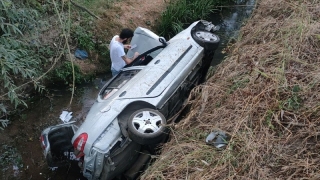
60	146
206	39
147	126
61	132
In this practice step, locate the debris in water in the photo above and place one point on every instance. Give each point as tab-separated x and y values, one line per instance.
65	116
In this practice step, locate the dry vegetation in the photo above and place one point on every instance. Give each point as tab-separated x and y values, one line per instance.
265	95
131	14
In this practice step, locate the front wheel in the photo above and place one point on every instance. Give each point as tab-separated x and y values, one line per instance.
206	39
147	126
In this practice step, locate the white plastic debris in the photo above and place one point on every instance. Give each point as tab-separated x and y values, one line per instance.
66	116
52	168
71	156
15	170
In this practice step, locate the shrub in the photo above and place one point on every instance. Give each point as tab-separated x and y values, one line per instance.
65	73
18	61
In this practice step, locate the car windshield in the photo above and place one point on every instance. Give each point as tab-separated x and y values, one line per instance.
120	80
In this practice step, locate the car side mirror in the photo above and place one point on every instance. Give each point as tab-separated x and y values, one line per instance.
163	41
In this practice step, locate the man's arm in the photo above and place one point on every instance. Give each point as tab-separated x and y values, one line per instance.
129	60
127	46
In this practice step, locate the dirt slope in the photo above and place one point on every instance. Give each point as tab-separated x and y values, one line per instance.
134	13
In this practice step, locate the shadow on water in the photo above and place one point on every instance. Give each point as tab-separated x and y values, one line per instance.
230	19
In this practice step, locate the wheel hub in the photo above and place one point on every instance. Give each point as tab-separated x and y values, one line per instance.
147	121
206	36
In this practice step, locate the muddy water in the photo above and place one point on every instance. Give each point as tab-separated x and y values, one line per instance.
20	151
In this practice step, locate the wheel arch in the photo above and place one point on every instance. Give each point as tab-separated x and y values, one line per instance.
133	106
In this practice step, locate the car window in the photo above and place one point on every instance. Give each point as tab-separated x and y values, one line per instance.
120	80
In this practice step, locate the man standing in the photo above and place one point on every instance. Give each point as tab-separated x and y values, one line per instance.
117	54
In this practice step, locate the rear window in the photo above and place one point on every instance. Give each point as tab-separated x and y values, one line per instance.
121	79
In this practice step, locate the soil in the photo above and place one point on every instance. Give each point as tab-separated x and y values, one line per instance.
20	151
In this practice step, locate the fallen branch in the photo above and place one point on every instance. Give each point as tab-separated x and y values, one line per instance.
85	9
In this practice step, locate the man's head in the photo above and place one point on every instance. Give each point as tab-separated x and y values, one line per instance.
126	34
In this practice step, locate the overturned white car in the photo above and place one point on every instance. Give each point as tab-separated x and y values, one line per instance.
132	109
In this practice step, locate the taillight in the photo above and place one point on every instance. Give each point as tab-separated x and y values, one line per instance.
43	142
79	144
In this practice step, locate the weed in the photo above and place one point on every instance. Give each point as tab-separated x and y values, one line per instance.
238	84
44	7
65	74
9	156
84	38
180	12
4	123
46	51
268	119
293	102
105	55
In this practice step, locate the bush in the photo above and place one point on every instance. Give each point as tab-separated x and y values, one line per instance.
18	61
64	74
84	39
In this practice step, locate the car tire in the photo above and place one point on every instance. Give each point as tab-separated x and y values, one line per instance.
60	133
147	126
61	146
206	39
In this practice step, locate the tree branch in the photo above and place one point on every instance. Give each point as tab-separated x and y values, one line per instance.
85	9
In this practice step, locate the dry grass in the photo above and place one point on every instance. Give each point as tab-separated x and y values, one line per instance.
266	95
130	14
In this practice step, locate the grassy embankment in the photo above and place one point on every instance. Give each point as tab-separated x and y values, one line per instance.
180	13
265	95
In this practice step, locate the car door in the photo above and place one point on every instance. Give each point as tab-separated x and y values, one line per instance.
144	40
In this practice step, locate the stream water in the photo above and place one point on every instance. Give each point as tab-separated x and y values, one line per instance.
230	20
45	111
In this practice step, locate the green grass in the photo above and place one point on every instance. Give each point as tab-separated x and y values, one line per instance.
65	73
180	13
